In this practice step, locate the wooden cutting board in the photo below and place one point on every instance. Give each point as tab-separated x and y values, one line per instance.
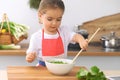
37	73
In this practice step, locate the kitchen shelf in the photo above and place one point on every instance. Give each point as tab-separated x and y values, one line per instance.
91	51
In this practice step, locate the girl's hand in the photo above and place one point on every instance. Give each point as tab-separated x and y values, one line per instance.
30	57
82	42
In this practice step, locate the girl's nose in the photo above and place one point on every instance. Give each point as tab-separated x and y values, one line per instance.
54	22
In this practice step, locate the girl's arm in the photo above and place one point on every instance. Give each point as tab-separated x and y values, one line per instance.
80	39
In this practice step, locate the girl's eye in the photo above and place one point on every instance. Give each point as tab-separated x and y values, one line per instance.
49	19
59	19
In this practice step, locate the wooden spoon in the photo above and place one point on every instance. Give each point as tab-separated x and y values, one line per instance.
88	42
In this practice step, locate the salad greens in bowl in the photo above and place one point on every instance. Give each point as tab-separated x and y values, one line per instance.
59	66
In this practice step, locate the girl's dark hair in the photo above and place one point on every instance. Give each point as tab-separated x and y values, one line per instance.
46	4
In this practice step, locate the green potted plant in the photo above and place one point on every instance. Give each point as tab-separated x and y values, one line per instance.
34	4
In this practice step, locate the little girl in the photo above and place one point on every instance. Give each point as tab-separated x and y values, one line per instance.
52	40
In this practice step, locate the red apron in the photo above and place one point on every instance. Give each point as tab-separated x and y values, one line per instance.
52	47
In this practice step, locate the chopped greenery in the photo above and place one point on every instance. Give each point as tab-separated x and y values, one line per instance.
58	62
93	74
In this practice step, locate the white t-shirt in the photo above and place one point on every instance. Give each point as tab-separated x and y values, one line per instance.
36	40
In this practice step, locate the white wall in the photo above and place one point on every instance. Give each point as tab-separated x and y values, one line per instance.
77	12
103	62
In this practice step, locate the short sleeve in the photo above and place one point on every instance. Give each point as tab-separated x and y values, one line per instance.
68	33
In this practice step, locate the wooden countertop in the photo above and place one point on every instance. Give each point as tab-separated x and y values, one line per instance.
95	51
37	73
110	73
41	73
92	51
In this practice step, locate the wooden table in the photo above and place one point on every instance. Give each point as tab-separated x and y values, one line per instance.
37	73
41	73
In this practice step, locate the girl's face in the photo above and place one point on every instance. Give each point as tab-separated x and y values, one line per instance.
51	20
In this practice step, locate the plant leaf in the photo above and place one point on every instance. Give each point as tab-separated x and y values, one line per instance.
94	70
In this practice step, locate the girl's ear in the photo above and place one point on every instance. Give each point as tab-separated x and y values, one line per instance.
39	17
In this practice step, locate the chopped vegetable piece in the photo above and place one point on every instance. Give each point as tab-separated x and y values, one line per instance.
58	62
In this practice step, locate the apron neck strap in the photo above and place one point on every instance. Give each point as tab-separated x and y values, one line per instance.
43	33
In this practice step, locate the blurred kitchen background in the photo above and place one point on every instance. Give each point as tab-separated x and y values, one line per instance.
77	12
